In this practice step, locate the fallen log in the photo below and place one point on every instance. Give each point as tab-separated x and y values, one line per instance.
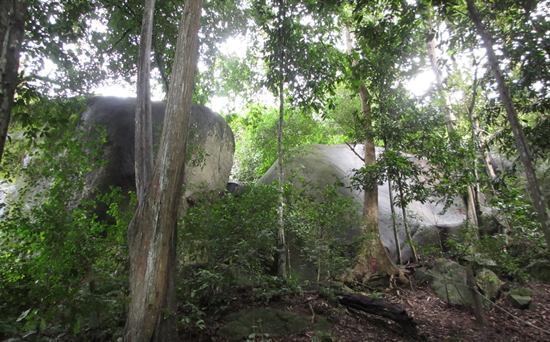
379	307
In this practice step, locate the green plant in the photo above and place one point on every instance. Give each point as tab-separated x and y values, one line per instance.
61	265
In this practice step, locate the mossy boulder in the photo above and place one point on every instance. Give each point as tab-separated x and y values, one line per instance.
449	283
489	283
521	297
539	270
266	322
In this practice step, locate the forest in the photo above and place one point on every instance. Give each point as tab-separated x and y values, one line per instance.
274	170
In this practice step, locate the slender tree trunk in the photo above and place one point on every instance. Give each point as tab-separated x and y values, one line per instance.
144	127
12	25
483	151
152	232
405	220
395	235
521	144
281	242
470	198
434	62
372	257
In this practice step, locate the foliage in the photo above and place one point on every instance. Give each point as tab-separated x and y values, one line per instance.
62	263
255	131
321	224
230	243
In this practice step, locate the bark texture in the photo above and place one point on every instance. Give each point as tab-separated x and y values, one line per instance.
12	24
144	122
372	257
281	241
152	232
521	144
470	198
394	223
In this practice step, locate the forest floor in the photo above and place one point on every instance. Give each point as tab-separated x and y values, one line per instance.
436	320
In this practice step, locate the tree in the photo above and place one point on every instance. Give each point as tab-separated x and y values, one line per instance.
152	232
519	136
450	118
281	243
372	257
12	23
144	127
385	36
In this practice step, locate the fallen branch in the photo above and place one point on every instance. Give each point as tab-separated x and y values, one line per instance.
379	307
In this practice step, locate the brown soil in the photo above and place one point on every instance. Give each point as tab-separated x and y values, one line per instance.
436	320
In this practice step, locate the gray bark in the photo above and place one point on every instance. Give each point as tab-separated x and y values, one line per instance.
281	241
144	126
372	257
152	232
470	198
521	143
405	220
393	217
12	24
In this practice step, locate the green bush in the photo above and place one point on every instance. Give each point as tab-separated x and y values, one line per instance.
62	268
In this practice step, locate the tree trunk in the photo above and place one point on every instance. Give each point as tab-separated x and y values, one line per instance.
281	242
152	232
372	257
144	128
395	235
405	220
12	25
521	144
470	198
434	62
484	152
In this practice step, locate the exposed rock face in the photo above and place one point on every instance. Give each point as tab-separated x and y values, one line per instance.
321	165
211	145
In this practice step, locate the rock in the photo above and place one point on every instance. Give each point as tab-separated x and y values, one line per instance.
489	283
449	283
320	165
266	322
423	275
539	270
520	298
210	144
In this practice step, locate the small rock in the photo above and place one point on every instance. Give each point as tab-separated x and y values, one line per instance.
520	298
422	275
489	283
449	283
539	269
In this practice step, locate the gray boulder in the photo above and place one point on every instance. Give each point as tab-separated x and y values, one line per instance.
489	283
539	270
210	146
320	165
521	297
449	283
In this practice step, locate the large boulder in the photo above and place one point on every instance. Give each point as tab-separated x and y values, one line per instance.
320	165
210	146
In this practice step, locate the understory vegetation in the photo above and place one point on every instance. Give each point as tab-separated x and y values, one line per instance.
448	99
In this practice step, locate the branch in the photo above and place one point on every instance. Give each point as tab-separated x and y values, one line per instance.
352	148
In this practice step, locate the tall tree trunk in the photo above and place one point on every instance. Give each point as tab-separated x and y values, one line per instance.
521	144
372	257
470	198
12	25
483	151
152	232
431	43
405	220
394	224
281	242
144	128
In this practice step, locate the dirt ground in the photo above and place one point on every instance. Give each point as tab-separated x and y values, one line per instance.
436	320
